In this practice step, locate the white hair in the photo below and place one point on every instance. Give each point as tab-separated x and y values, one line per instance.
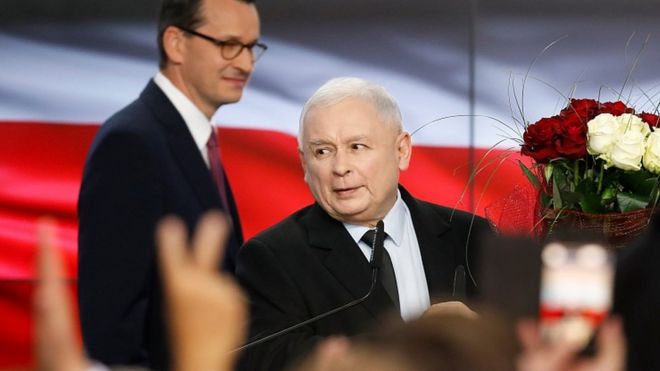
340	88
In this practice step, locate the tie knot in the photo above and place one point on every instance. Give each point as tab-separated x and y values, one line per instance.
368	237
213	140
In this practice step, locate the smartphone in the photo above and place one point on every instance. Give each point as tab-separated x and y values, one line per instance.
576	291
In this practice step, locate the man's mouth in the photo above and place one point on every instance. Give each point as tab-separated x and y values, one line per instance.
346	191
235	80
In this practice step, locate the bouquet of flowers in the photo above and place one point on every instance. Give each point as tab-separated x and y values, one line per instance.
595	168
595	158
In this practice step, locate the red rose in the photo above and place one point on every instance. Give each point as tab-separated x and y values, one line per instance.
650	119
615	108
572	143
539	139
583	109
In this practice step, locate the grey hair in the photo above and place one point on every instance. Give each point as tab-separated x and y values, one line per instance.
340	88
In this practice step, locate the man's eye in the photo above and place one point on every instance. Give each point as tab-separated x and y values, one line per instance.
321	151
358	146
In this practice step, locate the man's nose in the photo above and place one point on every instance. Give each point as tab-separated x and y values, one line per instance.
341	165
244	61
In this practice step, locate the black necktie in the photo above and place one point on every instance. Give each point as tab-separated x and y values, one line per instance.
387	276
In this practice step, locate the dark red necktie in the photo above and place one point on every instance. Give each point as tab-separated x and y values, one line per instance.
217	171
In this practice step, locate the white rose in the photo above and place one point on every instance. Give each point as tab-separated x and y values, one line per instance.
627	151
652	155
630	122
601	133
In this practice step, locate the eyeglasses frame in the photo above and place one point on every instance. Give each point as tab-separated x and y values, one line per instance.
222	43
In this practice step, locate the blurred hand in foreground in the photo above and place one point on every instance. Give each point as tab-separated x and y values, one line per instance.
538	355
56	343
206	309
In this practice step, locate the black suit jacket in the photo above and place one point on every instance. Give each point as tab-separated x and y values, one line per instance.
309	264
142	165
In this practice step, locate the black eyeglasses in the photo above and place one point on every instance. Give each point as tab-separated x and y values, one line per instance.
232	48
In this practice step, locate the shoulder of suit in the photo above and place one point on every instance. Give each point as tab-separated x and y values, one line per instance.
128	136
140	115
449	214
287	231
135	117
135	122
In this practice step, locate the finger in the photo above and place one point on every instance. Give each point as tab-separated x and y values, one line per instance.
611	336
49	264
171	238
528	333
50	290
210	239
47	295
56	344
611	344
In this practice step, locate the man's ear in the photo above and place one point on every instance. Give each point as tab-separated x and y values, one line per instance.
174	44
404	150
301	156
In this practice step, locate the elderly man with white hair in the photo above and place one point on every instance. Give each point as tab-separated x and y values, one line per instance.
352	147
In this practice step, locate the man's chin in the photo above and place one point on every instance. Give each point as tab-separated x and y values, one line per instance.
229	94
351	216
230	99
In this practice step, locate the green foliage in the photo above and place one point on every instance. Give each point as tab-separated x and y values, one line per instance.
630	201
530	176
608	196
639	182
588	187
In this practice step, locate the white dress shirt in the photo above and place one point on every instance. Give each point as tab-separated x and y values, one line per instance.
199	126
402	246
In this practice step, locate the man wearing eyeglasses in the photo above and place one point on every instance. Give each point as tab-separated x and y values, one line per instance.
155	157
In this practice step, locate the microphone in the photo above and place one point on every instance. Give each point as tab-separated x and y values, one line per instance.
459	282
378	246
375	263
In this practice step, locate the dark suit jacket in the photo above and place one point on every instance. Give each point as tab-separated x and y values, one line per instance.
142	165
309	264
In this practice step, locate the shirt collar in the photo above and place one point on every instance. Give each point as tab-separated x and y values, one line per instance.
199	126
394	223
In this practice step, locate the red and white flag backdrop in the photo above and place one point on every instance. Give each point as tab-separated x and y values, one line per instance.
59	82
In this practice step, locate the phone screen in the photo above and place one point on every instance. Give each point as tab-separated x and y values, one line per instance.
576	291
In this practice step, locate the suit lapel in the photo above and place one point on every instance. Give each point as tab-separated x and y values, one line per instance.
183	146
343	259
434	245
